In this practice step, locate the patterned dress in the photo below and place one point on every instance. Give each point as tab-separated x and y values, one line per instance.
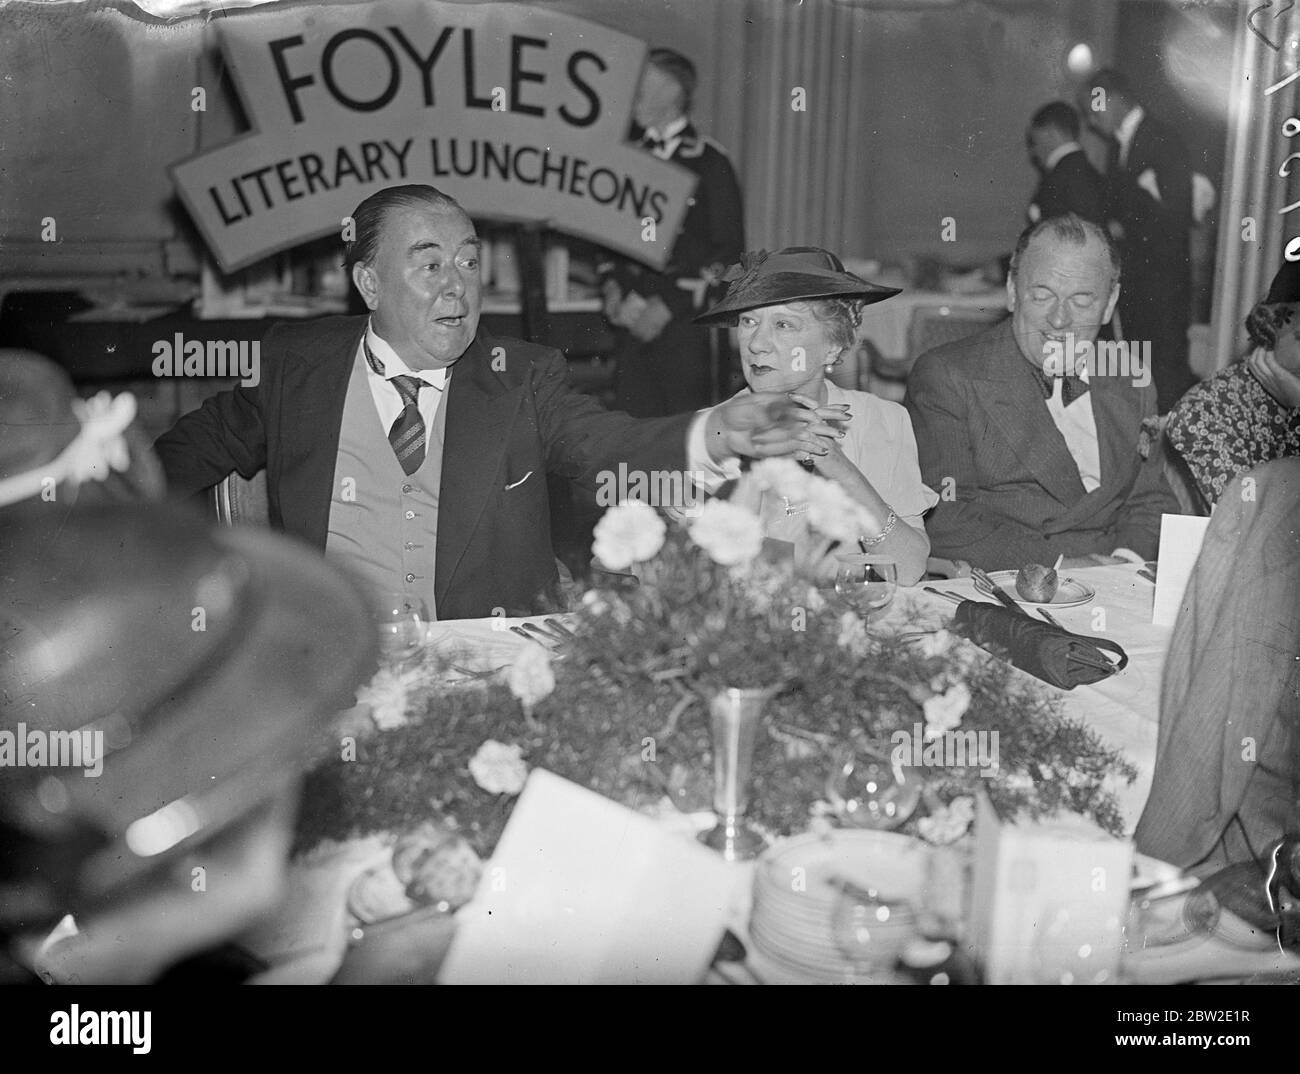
1229	424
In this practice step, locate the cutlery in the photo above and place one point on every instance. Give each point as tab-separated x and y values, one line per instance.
545	636
992	589
1144	573
561	626
1050	618
940	593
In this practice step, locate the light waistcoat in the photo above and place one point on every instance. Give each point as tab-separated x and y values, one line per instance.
383	525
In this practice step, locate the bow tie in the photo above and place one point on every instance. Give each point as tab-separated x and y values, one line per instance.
654	142
1071	387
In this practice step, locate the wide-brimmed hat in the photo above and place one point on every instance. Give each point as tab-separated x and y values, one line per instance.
1285	288
206	663
795	274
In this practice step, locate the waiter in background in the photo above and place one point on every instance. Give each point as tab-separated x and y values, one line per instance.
663	360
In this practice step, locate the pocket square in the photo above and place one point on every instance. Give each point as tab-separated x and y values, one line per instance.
516	484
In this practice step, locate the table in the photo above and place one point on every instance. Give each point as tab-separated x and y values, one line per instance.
1123	710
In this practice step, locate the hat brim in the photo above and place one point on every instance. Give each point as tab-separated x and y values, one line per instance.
781	288
102	625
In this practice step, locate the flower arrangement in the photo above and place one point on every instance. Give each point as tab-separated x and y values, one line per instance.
624	711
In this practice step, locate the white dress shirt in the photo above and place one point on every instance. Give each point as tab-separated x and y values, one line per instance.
1127	128
670	136
1078	425
388	400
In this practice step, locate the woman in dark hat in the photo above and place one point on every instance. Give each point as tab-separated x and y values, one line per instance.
1249	413
796	312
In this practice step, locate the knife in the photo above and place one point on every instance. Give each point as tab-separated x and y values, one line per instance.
998	593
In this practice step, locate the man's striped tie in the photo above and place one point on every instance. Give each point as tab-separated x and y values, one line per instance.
407	433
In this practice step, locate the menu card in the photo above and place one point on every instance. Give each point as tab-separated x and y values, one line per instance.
582	890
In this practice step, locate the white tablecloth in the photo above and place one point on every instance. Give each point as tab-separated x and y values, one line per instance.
1125	708
306	940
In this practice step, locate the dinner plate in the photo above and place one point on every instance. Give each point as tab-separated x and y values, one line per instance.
1069	594
796	885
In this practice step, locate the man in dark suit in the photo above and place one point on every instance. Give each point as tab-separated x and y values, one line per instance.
1069	183
353	417
1031	463
1149	197
663	360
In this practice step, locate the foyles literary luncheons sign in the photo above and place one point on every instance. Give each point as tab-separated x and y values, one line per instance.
518	113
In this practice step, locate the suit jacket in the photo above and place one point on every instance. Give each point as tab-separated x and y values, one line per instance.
494	545
1073	186
1157	242
1010	492
1231	678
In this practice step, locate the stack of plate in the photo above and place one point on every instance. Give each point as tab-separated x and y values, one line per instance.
798	882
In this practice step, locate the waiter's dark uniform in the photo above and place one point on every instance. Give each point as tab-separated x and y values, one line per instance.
671	372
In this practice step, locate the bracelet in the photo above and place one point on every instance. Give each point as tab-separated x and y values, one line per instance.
889	528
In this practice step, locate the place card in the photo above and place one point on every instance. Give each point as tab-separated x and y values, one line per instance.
1181	537
1048	901
582	890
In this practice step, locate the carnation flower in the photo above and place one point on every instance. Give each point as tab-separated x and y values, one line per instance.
388	695
499	768
1019	782
530	677
729	534
853	635
831	512
783	476
630	533
948	824
936	644
1076	779
944	711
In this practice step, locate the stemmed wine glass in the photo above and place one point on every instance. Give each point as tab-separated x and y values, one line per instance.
401	622
865	582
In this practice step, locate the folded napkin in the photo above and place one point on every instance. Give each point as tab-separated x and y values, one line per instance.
1045	651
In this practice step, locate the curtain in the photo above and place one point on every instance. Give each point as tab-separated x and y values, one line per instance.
1253	186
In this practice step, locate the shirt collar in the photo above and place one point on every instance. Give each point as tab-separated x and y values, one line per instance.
1061	151
1127	128
669	136
394	366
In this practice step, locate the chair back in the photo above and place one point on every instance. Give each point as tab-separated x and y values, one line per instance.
934	325
240	502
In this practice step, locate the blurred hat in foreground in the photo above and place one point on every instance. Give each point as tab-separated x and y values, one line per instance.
54	444
158	680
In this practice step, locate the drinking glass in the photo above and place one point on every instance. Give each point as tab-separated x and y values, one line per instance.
401	622
865	583
870	929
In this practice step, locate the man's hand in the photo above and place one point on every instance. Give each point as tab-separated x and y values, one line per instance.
652	320
1278	381
765	424
613	304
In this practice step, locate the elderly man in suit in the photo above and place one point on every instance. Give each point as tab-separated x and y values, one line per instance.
1032	459
1149	195
413	448
1069	183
